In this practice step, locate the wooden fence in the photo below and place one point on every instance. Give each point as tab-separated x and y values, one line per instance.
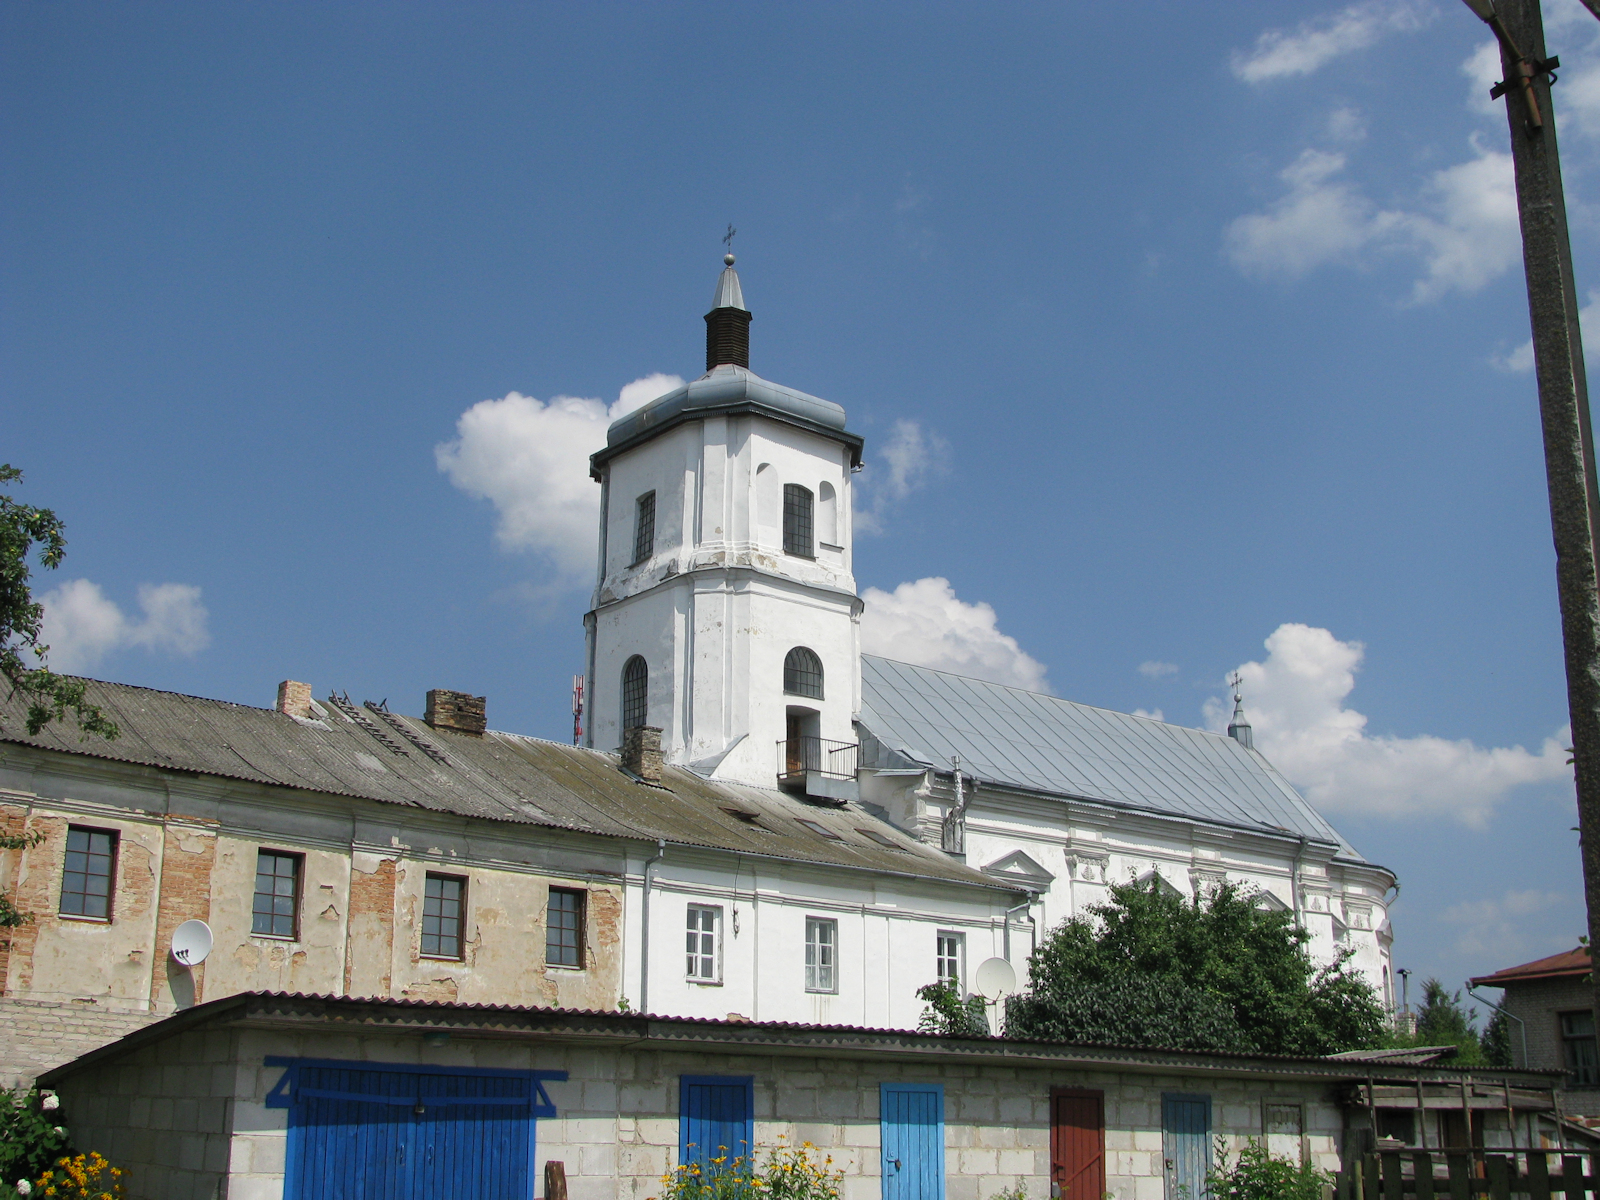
1466	1175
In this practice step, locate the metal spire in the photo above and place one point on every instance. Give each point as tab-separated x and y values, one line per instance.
1239	728
728	322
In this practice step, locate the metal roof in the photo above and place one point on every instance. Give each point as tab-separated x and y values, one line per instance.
1572	964
1023	739
723	391
377	755
729	293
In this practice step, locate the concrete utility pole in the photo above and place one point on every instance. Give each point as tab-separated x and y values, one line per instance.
1563	395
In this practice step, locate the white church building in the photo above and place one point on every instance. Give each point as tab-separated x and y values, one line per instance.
726	616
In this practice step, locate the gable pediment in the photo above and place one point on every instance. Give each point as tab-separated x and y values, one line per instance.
1162	885
1019	869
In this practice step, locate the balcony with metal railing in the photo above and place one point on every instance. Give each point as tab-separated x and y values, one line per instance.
818	767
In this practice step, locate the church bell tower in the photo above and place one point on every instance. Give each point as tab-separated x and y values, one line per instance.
725	613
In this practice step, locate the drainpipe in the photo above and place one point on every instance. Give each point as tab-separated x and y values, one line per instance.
644	933
1294	882
1028	903
1522	1026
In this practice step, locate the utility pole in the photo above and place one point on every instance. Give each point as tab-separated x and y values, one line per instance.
1563	395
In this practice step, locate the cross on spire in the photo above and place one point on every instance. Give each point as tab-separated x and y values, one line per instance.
727	238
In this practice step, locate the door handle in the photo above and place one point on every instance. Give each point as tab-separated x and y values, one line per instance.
893	1162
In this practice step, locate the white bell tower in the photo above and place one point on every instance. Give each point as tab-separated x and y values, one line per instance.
726	612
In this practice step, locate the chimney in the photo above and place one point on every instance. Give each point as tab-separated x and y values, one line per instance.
294	699
456	711
641	752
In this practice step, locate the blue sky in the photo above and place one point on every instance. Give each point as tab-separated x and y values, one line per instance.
1173	329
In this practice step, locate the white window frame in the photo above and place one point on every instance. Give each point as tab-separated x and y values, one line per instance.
822	976
696	959
940	957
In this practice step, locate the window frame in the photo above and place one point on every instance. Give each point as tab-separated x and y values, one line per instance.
581	931
795	664
113	855
799	508
644	527
460	918
940	957
1572	1045
627	695
814	967
296	897
697	931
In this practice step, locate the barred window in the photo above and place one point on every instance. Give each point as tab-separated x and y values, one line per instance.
86	877
443	904
797	521
644	527
802	673
822	954
276	910
948	957
702	943
563	931
635	693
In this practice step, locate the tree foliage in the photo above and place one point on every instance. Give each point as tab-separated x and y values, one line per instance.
1256	1175
1150	968
1443	1020
947	1015
27	533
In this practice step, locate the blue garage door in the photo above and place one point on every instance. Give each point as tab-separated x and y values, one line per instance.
911	1124
375	1131
716	1118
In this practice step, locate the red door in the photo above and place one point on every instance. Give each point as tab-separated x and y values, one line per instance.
1077	1144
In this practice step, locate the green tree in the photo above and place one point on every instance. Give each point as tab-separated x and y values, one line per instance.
1496	1041
27	533
948	1015
1442	1020
1150	968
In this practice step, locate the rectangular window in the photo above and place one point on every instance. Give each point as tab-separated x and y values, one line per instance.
705	923
87	874
1577	1040
797	522
276	912
822	954
563	931
444	901
948	954
644	527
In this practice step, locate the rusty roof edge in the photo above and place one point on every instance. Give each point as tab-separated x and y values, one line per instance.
266	1009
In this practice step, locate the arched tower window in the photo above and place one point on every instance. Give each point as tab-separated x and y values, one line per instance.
635	693
827	515
798	526
802	673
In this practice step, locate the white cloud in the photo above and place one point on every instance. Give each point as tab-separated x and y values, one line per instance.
1153	713
1347	125
1482	66
82	625
1279	53
1503	931
1464	231
909	457
1295	704
1155	670
1322	219
1520	360
531	461
925	623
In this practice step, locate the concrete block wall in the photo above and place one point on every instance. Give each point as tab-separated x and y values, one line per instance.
616	1130
163	1113
1539	1004
36	1035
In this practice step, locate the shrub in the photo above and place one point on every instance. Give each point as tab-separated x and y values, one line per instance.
30	1137
788	1173
948	1015
1256	1175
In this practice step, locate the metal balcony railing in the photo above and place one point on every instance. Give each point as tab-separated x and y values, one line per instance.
798	757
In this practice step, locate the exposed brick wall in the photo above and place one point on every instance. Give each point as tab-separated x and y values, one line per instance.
1540	1003
33	892
369	940
36	1035
13	823
187	856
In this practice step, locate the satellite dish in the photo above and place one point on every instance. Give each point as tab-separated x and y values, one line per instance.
996	979
191	942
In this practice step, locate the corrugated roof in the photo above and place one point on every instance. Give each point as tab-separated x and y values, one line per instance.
500	777
1023	739
1573	963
